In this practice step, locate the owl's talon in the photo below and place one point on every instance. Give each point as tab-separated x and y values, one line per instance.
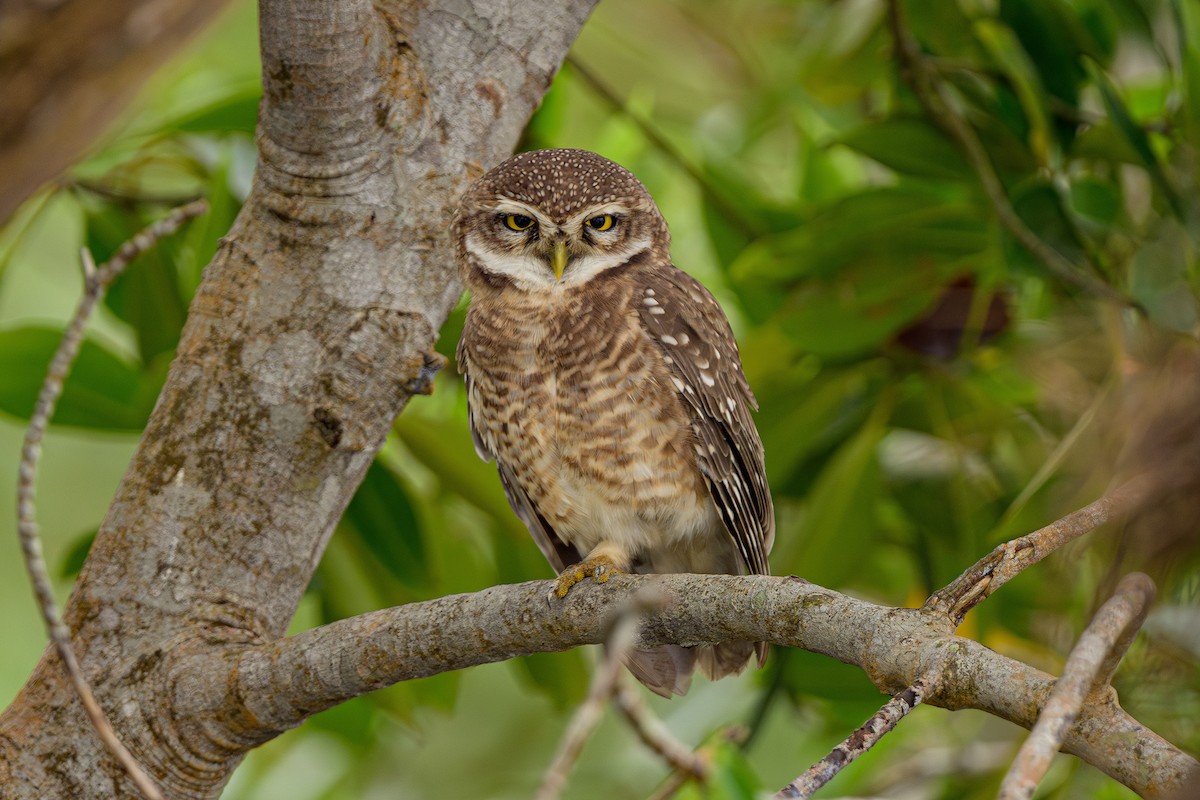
599	569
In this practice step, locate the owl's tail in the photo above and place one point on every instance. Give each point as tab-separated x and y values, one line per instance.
668	670
665	670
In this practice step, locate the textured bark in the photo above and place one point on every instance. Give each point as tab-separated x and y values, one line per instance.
314	324
68	68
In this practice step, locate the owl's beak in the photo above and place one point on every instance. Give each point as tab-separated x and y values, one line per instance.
559	259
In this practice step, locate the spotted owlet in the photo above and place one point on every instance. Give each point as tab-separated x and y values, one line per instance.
608	388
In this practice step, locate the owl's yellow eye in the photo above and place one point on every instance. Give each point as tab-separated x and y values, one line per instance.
601	222
518	222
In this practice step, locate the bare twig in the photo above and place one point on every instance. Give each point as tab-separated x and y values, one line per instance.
95	283
922	75
1087	673
858	742
655	735
1009	559
620	642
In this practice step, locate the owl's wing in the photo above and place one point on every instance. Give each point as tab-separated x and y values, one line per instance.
691	330
557	552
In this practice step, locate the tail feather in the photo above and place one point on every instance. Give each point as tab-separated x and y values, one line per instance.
664	670
727	658
668	670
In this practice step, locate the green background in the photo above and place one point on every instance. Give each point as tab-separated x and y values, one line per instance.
810	190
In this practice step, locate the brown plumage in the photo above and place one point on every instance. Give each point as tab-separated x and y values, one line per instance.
607	386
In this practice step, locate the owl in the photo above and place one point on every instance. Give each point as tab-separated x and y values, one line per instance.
607	386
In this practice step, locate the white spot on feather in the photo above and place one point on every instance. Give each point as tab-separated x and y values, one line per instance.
708	379
669	339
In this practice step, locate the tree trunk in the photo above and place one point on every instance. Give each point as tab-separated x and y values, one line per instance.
314	324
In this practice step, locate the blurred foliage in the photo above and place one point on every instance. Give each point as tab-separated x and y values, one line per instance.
928	387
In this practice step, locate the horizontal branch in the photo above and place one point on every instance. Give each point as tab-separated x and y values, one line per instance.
271	687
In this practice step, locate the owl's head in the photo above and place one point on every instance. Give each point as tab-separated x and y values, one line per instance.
556	218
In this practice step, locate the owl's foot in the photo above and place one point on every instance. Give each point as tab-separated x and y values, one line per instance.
598	567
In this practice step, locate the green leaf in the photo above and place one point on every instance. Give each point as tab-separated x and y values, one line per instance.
147	295
1137	138
203	235
562	677
857	313
903	221
102	392
1158	280
839	523
1025	83
850	694
381	516
803	418
1039	205
731	777
1049	33
77	553
1187	24
1099	201
233	113
909	146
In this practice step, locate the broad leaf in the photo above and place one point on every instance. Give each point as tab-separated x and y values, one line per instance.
103	391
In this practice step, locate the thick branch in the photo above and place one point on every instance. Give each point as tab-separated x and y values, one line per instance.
271	687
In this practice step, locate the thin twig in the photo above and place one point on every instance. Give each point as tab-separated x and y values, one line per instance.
95	283
1009	559
655	735
604	683
857	743
931	92
1088	671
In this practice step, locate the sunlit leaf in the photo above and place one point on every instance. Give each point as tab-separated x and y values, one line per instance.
1137	137
909	146
233	113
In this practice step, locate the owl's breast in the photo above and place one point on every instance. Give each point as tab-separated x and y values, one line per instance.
575	400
